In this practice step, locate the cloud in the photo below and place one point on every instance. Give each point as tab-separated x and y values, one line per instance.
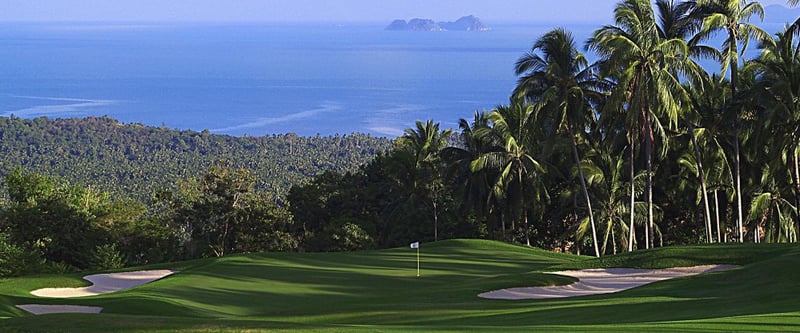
261	122
77	106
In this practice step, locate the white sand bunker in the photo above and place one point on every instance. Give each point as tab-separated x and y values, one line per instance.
101	284
45	309
105	283
601	281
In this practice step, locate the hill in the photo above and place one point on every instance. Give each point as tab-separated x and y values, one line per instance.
136	160
378	291
466	23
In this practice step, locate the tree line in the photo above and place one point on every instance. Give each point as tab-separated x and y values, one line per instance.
641	148
96	193
135	160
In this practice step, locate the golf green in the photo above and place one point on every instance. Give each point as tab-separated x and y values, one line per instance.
379	291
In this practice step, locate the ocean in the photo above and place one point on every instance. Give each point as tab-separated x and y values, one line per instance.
259	79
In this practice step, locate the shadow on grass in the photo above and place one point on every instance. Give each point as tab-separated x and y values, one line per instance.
381	288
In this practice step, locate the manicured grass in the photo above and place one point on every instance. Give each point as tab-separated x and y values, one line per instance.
378	291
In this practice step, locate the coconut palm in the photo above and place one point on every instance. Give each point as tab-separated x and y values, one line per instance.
679	20
771	211
605	174
732	17
708	96
515	162
778	85
646	85
424	144
473	186
558	80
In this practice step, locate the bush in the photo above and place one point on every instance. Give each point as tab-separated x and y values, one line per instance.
16	260
348	236
107	257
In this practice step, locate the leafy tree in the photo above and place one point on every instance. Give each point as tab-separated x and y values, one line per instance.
16	260
221	212
56	219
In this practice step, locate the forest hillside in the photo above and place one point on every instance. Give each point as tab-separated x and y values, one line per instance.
135	160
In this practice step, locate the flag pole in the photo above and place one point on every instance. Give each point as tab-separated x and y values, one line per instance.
415	245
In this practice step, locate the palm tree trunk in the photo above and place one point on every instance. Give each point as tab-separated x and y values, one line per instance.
585	190
527	233
613	241
702	185
734	66
757	237
524	210
605	237
737	170
650	236
632	235
716	211
796	187
435	221
503	225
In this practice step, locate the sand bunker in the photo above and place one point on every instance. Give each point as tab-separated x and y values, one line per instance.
601	281
45	309
101	284
105	283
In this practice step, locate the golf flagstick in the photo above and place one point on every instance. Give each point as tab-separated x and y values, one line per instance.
415	245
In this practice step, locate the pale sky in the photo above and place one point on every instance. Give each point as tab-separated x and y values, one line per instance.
540	11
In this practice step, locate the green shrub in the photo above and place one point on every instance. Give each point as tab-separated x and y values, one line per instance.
348	236
107	256
16	260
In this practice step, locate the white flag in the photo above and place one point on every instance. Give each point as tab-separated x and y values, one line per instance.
415	245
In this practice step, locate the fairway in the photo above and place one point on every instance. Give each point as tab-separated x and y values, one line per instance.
379	291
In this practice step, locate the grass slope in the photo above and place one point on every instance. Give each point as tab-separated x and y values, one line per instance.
379	291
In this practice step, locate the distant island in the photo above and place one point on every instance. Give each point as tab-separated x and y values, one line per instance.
466	23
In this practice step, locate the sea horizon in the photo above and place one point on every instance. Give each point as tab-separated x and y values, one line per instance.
262	78
258	78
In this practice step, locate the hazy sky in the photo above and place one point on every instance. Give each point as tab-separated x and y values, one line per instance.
562	11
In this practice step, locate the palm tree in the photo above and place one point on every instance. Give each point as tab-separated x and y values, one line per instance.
474	186
678	20
778	84
732	17
560	82
644	63
424	144
708	96
770	210
605	173
516	165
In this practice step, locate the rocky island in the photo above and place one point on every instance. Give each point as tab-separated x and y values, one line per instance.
466	23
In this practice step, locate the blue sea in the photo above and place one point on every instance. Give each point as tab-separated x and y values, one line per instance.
259	79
